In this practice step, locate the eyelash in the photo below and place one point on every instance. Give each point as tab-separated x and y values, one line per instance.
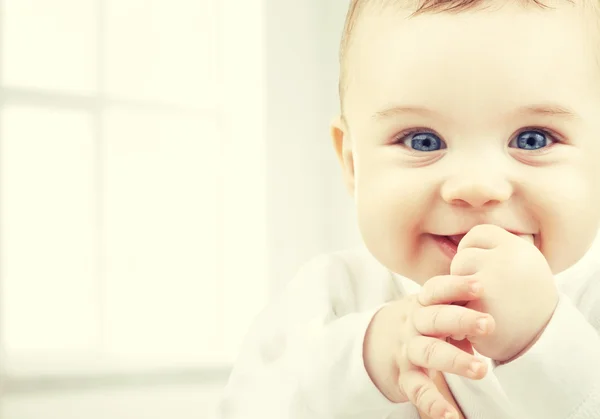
552	136
401	137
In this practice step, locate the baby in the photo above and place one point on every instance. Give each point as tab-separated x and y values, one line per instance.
469	139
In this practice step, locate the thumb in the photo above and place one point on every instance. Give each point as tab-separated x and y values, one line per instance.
527	237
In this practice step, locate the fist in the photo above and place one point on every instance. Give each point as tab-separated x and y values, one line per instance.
519	290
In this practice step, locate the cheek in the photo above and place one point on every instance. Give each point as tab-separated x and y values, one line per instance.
566	207
392	204
590	171
391	197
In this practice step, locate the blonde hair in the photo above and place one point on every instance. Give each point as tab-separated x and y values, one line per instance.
418	7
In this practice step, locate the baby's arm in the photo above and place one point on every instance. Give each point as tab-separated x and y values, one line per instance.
301	360
559	376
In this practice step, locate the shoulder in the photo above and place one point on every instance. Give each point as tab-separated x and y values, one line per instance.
351	265
351	279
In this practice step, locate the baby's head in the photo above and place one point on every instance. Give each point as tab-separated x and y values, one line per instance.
466	112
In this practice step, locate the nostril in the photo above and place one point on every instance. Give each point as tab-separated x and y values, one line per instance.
475	202
479	192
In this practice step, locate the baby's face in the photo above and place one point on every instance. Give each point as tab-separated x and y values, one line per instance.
486	117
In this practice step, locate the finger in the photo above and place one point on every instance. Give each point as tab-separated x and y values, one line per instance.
452	321
420	389
423	393
483	236
447	289
468	262
463	345
437	354
488	236
527	237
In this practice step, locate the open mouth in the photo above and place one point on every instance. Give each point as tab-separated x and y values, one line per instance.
456	238
449	244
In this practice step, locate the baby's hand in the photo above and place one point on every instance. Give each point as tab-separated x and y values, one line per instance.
519	288
405	344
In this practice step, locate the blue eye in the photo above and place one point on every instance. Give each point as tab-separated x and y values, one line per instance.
423	141
531	140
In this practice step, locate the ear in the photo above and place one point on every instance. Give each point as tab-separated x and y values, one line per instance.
343	149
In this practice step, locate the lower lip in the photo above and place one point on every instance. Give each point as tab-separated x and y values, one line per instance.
446	245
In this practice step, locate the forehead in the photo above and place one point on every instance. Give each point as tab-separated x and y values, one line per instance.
500	56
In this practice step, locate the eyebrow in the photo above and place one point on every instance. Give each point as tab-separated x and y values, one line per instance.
548	110
401	110
544	109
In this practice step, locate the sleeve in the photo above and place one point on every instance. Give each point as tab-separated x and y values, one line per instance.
301	361
559	376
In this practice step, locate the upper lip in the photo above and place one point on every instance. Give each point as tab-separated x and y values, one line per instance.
457	237
464	232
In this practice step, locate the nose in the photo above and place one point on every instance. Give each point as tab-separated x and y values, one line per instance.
476	190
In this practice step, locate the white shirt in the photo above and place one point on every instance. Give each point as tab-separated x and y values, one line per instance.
303	357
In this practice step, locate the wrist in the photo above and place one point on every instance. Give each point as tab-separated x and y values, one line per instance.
379	360
527	347
534	340
522	351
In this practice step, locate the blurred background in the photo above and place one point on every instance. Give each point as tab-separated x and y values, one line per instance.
165	167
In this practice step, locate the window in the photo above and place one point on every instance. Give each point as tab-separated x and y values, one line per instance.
132	210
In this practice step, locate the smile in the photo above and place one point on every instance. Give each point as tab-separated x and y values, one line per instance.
449	244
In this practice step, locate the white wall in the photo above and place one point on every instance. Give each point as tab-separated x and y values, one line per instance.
309	211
